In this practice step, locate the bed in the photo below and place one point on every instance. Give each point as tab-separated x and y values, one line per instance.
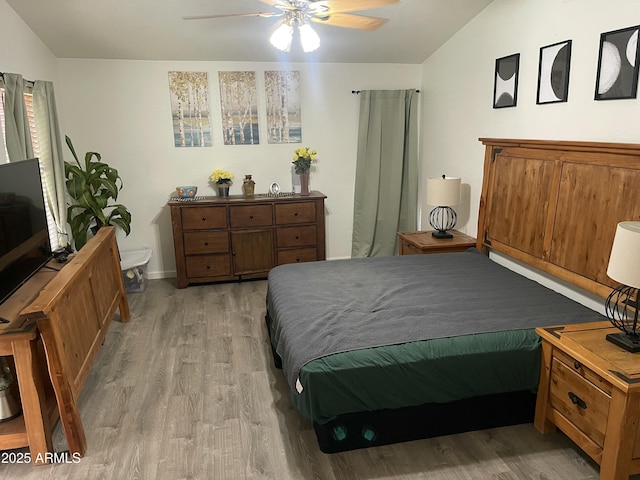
383	350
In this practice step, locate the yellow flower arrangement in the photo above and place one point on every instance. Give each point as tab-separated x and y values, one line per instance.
221	176
302	159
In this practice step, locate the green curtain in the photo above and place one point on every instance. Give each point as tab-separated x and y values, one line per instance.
386	189
51	159
17	133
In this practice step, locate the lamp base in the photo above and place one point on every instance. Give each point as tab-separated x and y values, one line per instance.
629	343
441	234
9	407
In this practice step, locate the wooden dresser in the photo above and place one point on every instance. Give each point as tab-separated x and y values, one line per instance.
236	237
590	389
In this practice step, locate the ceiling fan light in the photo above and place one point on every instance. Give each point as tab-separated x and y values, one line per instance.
281	38
309	38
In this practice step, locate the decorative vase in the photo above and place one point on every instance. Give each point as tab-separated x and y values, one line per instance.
223	189
248	186
304	184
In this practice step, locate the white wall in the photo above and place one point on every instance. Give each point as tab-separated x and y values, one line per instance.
122	109
21	51
457	84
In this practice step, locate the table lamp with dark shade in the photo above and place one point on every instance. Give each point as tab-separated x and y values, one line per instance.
443	192
622	304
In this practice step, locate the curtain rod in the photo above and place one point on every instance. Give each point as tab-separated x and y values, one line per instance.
32	82
358	91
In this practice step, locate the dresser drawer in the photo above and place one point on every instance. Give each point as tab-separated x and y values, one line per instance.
579	400
206	242
296	236
581	370
203	218
297	255
251	216
409	249
295	213
199	266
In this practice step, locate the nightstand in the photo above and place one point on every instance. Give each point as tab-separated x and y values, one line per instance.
590	389
420	243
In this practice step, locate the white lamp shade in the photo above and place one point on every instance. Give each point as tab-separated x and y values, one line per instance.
624	261
443	192
309	38
281	38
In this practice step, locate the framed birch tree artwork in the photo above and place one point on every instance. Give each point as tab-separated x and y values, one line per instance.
239	108
282	91
190	109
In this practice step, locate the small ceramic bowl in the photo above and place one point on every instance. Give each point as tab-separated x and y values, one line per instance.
187	191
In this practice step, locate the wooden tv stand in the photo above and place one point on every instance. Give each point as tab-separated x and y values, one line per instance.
57	322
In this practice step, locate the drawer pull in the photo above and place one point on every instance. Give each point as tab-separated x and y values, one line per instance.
206	244
577	365
295	214
204	219
576	400
208	267
297	237
251	217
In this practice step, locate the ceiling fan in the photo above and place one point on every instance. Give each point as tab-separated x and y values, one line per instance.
301	12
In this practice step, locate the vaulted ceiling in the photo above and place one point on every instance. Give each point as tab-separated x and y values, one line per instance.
155	30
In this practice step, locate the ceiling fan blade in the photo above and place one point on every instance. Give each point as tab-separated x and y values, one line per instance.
259	14
348	20
338	6
276	3
276	25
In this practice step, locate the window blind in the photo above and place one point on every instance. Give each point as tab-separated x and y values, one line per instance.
28	101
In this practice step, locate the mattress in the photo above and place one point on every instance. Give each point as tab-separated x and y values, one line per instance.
382	333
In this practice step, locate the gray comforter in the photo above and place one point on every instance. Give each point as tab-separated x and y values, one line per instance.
322	308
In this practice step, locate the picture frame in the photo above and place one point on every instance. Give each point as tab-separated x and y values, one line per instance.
618	60
554	66
505	86
190	88
274	188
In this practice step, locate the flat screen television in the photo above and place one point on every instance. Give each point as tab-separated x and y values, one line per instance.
24	236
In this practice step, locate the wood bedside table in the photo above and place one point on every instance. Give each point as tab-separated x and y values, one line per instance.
420	243
590	389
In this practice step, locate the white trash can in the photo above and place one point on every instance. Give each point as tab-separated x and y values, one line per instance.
134	269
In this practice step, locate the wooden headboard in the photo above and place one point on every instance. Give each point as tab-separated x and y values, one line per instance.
555	205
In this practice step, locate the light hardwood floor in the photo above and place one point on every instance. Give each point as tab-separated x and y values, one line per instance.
187	390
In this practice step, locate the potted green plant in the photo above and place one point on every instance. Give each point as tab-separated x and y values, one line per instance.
91	186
